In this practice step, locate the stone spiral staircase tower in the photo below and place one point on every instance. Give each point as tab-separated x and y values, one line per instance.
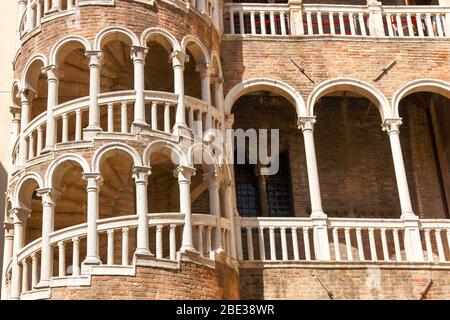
112	100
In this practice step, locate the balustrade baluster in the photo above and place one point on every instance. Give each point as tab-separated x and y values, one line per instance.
384	244
360	245
70	4
154	115
309	23
167	117
273	249
448	239
65	128
241	22
295	243
25	284
159	242
284	248
191	119
46	6
337	251
429	25
352	24
398	254
125	232
262	18
75	257
209	243
283	24
124	117
420	26
110	117
232	22
306	244
389	24
262	245
61	259
200	240
373	247
78	125
250	244
410	25
319	22
31	146
38	13
341	24
34	271
440	31
331	20
362	24
272	23
39	141
348	244
440	247
110	247
252	23
173	242
428	245
398	19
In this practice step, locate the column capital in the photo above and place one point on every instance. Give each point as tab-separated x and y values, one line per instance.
52	71
204	69
24	95
391	125
15	111
95	57
306	123
217	81
213	178
179	58
229	120
20	215
138	53
48	195
184	173
140	174
94	179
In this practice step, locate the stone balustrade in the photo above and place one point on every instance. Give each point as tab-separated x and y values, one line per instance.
372	20
119	235
350	240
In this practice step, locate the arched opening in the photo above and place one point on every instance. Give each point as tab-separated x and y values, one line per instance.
36	86
195	69
158	67
425	140
30	201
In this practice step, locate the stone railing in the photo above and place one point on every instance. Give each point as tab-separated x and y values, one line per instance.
115	110
118	235
372	20
350	240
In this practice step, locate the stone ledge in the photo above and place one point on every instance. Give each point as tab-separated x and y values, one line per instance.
40	294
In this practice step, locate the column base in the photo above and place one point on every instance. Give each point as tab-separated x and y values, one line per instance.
185	249
48	149
143	252
92	261
182	130
90	132
320	236
43	284
412	241
139	127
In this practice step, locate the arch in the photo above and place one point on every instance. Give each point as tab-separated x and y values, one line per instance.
176	151
29	176
65	158
198	49
28	68
215	60
205	151
115	33
57	48
256	84
431	85
15	89
165	38
352	85
98	155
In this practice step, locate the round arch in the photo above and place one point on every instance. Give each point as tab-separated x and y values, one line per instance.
431	85
177	155
111	147
70	41
26	82
215	61
273	85
168	40
352	85
206	153
58	162
31	176
198	49
115	33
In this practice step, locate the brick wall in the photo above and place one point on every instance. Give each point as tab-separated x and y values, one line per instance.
192	282
345	283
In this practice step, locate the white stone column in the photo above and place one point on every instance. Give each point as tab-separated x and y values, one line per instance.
413	245
205	75
184	175
218	99
296	17
94	181
95	60
138	55
52	102
56	6
7	253
15	132
178	62
25	118
318	217
48	226
213	179
20	217
229	214
141	180
375	22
